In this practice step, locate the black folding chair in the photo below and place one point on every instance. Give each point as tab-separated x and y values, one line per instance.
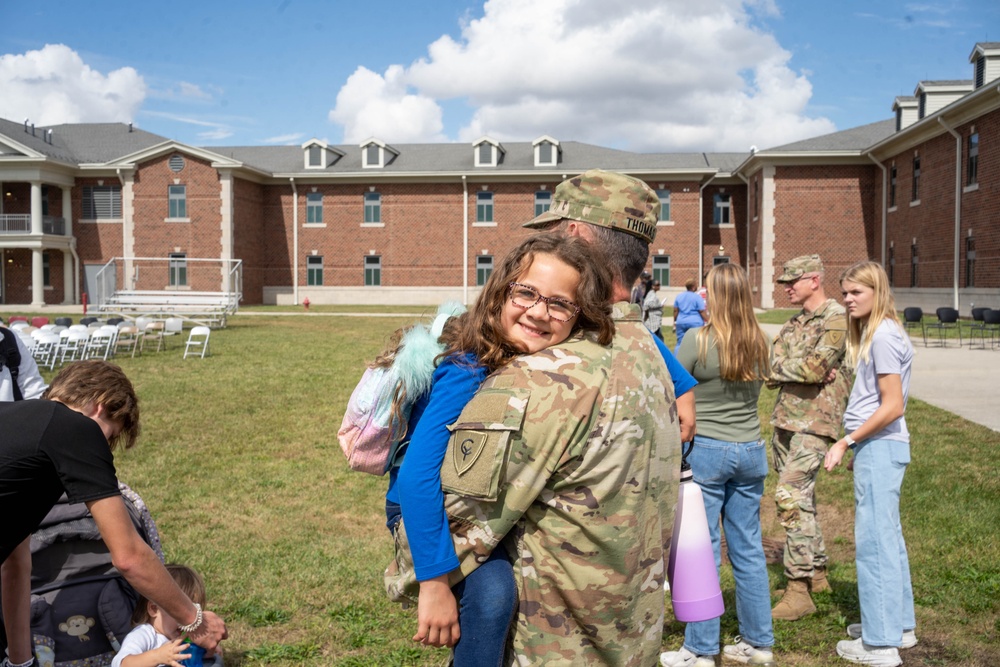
947	321
913	318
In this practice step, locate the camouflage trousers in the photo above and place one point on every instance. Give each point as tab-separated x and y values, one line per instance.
797	459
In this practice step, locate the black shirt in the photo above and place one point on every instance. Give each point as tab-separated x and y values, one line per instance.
47	449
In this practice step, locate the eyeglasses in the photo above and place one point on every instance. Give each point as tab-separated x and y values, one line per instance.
524	296
804	276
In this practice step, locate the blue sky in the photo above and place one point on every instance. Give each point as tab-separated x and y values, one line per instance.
658	75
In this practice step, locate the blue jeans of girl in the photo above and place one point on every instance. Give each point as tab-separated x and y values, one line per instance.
731	478
487	600
884	587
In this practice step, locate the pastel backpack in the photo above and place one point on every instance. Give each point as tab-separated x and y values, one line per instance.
371	434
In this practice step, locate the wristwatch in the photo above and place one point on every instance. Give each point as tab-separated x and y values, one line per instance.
849	440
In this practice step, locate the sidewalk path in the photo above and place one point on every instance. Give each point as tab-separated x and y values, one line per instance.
960	380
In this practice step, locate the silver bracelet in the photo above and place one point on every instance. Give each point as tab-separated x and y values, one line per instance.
191	627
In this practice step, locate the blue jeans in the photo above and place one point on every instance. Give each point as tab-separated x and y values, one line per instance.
487	601
884	587
681	328
731	477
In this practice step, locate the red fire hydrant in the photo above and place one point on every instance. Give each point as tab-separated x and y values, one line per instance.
305	302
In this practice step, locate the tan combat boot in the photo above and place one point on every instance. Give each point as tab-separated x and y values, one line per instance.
819	583
795	603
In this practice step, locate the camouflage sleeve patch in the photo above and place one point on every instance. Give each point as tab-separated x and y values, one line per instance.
479	444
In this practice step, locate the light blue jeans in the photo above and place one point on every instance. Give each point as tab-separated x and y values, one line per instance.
731	477
884	587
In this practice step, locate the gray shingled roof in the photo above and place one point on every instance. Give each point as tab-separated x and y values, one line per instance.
948	82
855	139
460	157
83	143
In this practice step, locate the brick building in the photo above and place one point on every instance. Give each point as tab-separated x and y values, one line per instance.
421	223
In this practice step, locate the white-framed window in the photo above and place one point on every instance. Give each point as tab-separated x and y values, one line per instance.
46	272
484	267
373	270
177	196
178	269
664	197
720	259
484	207
546	151
661	269
721	210
102	202
315	156
373	207
314	270
972	168
314	208
543	202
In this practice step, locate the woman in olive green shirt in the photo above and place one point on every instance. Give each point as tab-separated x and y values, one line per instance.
729	357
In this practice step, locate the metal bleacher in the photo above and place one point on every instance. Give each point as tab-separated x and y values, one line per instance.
202	292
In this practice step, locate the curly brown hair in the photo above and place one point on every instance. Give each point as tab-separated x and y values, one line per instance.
480	331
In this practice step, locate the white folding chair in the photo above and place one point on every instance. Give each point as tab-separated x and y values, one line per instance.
153	331
73	345
172	326
100	344
18	324
197	340
46	346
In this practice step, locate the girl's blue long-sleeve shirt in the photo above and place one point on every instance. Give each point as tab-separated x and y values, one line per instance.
418	483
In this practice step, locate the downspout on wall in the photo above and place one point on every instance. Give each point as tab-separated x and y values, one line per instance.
701	227
885	203
958	207
465	240
295	242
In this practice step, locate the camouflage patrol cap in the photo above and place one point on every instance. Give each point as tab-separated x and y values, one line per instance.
606	199
794	269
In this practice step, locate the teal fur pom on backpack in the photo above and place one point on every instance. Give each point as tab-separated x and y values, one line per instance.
370	433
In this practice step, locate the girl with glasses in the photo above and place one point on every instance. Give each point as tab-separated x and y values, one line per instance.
548	288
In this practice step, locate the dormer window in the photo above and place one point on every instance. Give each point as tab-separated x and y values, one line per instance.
319	155
489	152
376	154
546	151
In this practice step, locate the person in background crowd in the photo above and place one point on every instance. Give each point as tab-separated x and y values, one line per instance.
641	288
21	380
689	311
652	310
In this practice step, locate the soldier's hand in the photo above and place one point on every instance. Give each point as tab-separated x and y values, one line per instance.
831	376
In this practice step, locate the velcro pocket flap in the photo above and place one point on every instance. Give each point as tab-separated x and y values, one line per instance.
480	443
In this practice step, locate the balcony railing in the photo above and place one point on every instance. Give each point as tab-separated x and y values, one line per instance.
20	223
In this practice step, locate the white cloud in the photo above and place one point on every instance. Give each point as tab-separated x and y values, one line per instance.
291	139
370	104
649	75
53	85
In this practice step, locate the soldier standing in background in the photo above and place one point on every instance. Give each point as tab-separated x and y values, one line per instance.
807	366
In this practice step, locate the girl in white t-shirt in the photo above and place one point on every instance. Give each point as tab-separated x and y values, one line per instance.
156	640
875	429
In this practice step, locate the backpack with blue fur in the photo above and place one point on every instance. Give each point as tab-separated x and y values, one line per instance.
371	432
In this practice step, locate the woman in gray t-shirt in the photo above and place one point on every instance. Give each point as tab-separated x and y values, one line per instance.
876	430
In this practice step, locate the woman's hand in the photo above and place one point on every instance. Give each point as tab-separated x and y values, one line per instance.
437	614
835	454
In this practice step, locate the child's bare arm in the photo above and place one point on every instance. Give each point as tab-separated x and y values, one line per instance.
170	653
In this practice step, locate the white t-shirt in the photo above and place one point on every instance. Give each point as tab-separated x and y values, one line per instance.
142	638
891	354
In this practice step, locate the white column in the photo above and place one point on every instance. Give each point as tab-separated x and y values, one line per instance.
226	220
69	277
37	273
36	208
767	238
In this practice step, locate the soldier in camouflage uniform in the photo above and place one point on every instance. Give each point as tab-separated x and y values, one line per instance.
807	364
570	459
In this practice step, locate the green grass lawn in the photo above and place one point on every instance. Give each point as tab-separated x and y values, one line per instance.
240	466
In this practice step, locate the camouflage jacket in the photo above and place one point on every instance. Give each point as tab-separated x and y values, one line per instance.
571	457
808	347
